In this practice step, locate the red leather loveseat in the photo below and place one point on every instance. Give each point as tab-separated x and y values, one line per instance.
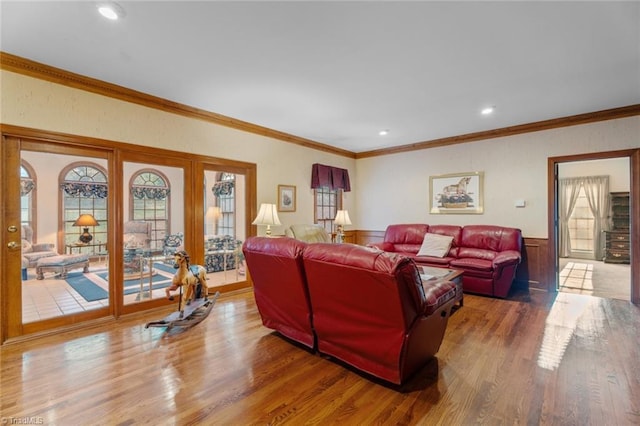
488	254
360	305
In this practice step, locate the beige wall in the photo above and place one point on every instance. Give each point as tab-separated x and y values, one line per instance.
514	167
39	104
386	189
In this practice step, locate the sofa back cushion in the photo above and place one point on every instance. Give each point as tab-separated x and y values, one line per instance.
486	241
280	286
406	237
366	290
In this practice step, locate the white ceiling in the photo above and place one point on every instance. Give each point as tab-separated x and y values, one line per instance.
338	72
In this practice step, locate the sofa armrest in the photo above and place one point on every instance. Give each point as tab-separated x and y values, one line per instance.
437	295
505	258
384	246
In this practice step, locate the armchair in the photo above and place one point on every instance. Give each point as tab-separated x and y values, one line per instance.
171	244
137	234
31	252
308	233
222	253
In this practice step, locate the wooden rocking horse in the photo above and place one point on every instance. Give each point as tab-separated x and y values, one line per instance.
194	305
192	277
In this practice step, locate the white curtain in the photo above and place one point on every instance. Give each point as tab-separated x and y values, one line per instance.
568	191
596	189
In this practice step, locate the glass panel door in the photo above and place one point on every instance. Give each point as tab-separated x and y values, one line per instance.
64	218
153	229
225	195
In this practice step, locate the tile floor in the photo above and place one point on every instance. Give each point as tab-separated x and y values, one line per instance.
53	297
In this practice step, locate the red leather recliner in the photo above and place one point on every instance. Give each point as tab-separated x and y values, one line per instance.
280	287
371	310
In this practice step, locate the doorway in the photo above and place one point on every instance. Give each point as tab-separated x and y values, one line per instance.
582	269
584	189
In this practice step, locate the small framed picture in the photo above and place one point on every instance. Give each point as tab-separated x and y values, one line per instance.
286	198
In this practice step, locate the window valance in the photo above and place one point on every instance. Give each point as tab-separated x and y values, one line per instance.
330	177
224	187
84	189
150	192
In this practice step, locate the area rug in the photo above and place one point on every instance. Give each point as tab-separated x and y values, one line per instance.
94	285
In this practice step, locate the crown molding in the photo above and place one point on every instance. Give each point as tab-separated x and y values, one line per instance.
41	71
573	120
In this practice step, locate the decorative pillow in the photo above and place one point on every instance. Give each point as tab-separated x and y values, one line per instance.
26	246
435	245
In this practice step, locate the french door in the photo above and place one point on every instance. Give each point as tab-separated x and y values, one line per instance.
68	205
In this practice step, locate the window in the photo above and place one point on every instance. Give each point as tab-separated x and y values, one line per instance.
581	223
327	203
151	202
84	190
27	195
224	191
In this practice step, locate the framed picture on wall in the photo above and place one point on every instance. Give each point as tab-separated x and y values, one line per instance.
286	198
456	193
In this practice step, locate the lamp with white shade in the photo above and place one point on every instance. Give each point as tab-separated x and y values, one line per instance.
212	216
268	215
342	218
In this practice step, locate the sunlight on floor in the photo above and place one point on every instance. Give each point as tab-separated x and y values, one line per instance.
578	276
569	313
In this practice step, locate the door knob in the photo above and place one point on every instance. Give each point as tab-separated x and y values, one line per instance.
12	228
12	244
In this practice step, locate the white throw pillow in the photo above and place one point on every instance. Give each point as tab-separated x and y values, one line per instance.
435	245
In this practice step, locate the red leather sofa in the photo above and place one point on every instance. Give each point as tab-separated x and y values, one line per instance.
362	306
488	254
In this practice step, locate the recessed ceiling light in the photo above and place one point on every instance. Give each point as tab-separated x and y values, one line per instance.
111	10
384	132
488	110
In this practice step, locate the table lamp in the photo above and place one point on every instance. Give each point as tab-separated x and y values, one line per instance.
342	218
268	215
85	221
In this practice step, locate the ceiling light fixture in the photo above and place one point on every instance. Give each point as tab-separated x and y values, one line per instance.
383	132
488	110
111	10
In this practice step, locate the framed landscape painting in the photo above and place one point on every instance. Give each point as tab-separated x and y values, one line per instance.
286	198
456	193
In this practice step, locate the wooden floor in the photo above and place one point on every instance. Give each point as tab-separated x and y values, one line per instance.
531	360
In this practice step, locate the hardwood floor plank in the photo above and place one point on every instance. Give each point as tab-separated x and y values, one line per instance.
535	360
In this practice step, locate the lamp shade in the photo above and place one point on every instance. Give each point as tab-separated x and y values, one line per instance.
268	215
342	218
213	213
86	220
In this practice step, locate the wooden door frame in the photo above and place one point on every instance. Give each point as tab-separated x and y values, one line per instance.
14	138
634	190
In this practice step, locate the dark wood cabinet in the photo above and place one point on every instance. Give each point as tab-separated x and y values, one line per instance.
617	239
